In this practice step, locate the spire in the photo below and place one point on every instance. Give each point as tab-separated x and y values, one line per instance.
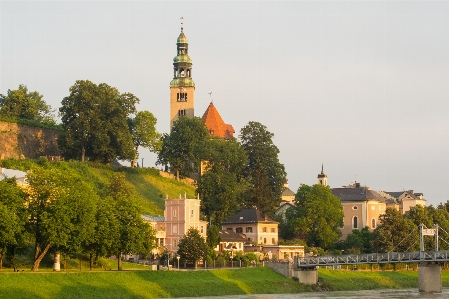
322	168
182	24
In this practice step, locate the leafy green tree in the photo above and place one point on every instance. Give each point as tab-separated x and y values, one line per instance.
21	103
143	131
12	222
192	246
179	147
359	241
134	235
265	174
60	211
441	217
317	216
213	236
94	121
395	233
221	186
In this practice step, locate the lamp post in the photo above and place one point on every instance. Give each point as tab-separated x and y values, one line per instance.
178	257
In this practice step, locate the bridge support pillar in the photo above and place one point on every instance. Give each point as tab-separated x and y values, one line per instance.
429	278
306	275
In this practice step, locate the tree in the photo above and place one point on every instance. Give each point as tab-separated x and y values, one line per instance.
21	103
105	233
395	233
61	211
134	235
94	121
265	174
12	222
143	132
359	241
192	246
317	216
179	147
213	236
221	185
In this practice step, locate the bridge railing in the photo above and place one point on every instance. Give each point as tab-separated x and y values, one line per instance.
374	258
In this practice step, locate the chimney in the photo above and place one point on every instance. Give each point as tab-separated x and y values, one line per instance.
357	185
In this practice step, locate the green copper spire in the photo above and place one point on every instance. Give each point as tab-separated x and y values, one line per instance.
182	63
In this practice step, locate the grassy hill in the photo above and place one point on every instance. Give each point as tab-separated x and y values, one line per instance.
149	186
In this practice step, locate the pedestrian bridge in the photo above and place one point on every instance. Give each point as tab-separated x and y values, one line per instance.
374	258
429	269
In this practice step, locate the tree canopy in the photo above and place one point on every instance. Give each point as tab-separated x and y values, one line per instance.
143	132
94	118
221	186
179	148
265	174
192	246
317	216
21	103
12	220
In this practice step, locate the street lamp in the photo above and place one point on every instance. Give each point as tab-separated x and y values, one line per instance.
178	257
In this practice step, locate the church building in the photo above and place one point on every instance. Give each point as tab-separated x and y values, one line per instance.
182	93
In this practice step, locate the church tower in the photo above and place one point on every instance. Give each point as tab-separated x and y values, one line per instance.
322	177
182	87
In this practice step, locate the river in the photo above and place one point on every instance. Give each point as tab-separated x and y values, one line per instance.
368	294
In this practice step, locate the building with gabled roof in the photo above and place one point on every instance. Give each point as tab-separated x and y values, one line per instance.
257	226
361	206
215	124
405	199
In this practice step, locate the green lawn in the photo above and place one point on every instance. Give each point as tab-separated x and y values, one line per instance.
146	284
342	280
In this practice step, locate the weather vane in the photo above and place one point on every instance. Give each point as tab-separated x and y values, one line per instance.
210	95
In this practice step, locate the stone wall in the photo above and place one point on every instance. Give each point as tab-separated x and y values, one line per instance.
284	268
21	141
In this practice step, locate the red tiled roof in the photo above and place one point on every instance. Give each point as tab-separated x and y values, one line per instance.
215	123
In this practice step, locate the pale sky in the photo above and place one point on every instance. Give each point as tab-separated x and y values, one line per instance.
361	86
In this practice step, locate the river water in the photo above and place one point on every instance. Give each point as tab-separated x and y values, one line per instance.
368	294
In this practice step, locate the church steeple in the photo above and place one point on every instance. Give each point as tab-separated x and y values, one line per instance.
322	177
182	87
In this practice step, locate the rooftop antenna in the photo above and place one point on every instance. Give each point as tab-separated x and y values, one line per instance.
210	95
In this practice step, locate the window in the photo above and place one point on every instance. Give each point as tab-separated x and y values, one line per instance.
182	97
373	223
273	241
175	213
354	207
175	229
273	230
229	228
181	112
265	240
175	243
264	229
202	229
239	230
355	222
191	213
249	229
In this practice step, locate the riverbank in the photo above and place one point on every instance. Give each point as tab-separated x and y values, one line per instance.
164	284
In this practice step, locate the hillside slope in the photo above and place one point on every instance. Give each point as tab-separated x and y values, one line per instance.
149	186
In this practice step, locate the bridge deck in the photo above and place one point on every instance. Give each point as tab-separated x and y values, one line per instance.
375	258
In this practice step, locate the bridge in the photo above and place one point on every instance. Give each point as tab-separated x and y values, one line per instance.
429	262
374	258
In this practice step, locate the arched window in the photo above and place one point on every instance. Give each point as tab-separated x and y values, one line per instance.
373	223
354	207
355	221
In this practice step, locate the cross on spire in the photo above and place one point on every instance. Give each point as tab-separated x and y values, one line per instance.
182	24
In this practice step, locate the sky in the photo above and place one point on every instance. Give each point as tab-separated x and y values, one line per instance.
359	86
